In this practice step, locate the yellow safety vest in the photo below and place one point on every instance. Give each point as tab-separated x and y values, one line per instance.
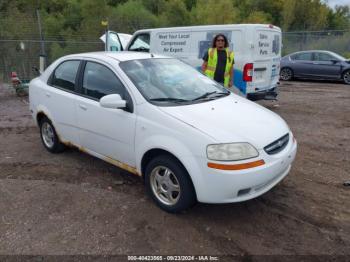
213	61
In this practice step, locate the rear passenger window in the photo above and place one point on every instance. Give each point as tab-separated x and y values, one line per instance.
65	74
302	56
99	81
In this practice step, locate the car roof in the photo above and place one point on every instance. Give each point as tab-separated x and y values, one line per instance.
311	51
120	56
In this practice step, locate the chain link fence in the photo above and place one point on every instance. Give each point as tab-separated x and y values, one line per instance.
337	41
21	55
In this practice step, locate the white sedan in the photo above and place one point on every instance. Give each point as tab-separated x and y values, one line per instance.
157	117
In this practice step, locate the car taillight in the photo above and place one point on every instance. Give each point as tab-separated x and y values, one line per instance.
248	72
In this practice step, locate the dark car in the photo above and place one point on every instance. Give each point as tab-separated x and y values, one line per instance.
315	64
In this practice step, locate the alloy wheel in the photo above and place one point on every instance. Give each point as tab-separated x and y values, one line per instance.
346	77
48	134
165	185
286	74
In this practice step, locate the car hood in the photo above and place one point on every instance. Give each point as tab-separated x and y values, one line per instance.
232	119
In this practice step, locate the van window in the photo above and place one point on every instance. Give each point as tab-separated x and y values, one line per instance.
140	43
114	42
99	81
65	74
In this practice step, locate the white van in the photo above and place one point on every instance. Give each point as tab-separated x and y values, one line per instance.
257	49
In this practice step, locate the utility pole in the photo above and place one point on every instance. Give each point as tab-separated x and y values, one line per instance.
42	44
106	24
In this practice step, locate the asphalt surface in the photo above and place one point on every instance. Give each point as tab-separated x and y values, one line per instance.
72	203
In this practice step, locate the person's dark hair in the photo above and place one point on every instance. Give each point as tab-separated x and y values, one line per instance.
216	37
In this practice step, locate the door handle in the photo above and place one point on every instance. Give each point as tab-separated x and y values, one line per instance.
83	107
47	94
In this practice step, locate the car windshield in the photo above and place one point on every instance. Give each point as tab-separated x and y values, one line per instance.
169	81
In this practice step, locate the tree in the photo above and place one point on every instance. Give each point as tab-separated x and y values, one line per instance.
305	15
213	12
131	16
258	17
288	14
154	6
175	14
339	18
259	11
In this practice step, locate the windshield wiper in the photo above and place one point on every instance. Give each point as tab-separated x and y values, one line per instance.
208	94
140	49
169	99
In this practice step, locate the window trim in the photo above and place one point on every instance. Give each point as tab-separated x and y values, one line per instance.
129	101
49	81
135	38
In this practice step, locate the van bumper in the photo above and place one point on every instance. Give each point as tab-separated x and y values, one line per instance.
269	94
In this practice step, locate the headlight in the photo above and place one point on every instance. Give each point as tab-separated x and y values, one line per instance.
231	152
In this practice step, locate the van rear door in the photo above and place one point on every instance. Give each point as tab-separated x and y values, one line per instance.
267	56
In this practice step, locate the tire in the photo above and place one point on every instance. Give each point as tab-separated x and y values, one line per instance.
346	77
286	74
169	184
49	136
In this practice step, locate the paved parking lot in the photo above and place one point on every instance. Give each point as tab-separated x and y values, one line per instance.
72	203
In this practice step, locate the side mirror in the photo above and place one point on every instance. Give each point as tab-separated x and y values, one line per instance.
334	61
112	101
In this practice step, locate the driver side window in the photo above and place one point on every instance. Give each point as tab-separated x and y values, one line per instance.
322	57
99	81
141	43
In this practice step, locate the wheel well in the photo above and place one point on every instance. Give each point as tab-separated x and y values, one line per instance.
149	155
343	73
39	117
287	67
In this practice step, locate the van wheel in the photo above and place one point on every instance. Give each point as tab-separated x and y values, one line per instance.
346	77
169	184
49	136
286	74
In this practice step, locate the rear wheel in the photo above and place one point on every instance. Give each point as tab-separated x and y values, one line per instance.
286	74
49	136
169	184
346	77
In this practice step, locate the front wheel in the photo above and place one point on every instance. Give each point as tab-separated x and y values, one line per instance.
49	136
346	77
169	184
286	74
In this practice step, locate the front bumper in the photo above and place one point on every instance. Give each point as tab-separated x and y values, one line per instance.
224	186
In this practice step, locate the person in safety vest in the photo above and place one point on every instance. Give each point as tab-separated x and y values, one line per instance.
218	61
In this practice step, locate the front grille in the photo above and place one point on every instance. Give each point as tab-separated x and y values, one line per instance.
277	146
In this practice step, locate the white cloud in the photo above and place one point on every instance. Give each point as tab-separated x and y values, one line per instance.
333	3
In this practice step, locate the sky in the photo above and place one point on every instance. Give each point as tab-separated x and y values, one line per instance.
333	3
